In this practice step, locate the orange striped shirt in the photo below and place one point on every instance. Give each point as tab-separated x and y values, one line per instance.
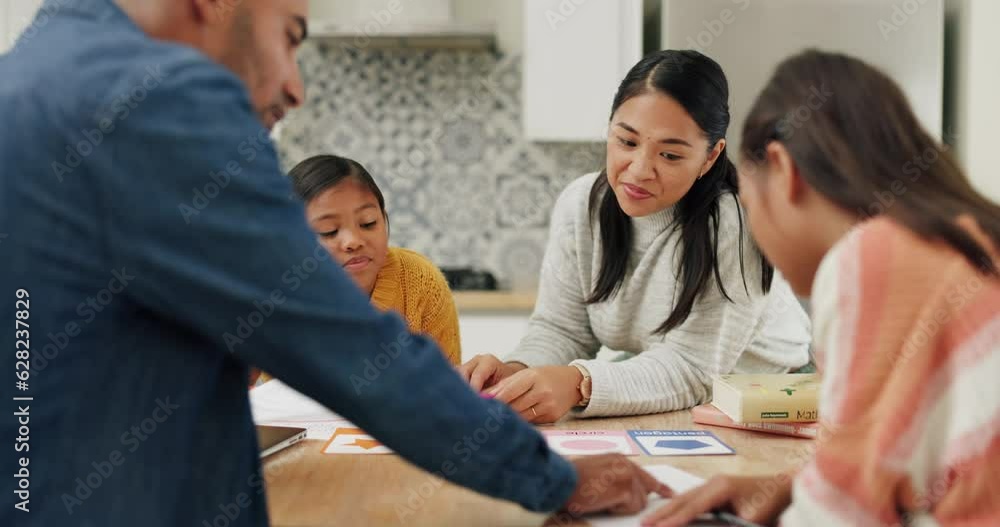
907	335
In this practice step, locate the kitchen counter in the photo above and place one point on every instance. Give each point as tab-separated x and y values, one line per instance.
485	301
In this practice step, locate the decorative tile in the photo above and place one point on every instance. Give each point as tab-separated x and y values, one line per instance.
527	200
461	249
455	201
440	131
576	159
517	257
463	142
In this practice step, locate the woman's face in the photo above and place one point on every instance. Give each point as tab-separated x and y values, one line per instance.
655	153
351	225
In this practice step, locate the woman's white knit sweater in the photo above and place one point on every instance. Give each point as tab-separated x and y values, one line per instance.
762	333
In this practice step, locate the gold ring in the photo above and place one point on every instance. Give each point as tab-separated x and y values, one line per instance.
533	412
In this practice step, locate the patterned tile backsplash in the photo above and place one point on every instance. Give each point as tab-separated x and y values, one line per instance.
440	130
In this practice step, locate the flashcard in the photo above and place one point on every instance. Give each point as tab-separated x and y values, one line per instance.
590	442
679	443
349	440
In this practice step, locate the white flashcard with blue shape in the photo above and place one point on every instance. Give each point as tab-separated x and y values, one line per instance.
680	443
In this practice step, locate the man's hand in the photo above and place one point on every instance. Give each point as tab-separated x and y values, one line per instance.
745	496
483	371
610	482
541	395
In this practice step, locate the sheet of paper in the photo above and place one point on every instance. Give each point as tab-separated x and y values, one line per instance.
676	479
353	440
680	443
276	403
590	442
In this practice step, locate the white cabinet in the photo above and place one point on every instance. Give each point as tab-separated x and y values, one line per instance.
15	16
496	333
5	41
576	52
386	12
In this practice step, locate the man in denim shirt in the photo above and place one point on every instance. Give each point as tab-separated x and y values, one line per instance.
149	232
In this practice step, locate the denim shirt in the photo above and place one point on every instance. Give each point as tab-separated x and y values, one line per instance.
145	217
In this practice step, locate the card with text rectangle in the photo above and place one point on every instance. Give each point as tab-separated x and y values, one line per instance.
351	440
680	443
590	442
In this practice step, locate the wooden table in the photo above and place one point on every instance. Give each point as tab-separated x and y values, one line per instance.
307	488
493	301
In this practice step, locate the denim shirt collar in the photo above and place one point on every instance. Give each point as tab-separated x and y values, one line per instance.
103	10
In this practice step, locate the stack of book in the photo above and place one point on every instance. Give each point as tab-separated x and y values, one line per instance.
785	404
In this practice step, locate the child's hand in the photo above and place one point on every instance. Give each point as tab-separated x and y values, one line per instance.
541	395
759	499
483	371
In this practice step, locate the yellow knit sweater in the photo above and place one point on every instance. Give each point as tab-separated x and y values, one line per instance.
412	286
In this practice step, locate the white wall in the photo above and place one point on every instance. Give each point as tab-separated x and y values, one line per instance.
4	17
976	85
15	15
748	38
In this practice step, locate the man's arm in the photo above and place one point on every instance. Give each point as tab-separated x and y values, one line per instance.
198	206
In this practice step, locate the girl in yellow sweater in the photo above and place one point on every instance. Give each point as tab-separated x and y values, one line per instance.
346	209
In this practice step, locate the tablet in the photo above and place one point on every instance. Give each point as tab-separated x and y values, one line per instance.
274	438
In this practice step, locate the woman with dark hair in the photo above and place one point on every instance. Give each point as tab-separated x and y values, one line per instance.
650	258
346	209
901	265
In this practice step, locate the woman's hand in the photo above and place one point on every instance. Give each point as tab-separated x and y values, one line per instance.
541	395
759	499
483	371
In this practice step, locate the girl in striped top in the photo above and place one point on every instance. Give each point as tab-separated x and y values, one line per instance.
858	206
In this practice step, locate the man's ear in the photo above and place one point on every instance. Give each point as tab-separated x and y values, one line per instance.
784	173
713	156
214	12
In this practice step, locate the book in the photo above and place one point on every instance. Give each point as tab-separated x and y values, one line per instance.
762	398
707	414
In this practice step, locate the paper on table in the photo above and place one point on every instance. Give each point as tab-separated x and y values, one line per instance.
353	440
676	479
276	403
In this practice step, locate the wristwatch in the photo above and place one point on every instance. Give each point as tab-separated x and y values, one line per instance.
585	386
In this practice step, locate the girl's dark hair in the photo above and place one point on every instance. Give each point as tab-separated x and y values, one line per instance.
855	139
319	173
698	84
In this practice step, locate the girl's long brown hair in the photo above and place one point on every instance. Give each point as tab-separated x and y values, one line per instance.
855	139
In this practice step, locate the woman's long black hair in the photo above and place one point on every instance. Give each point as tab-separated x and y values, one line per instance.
698	84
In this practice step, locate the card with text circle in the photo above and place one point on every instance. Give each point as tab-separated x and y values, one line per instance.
590	442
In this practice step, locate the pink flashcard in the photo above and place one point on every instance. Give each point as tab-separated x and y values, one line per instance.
590	442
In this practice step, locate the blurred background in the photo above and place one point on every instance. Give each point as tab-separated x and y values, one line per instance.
473	114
